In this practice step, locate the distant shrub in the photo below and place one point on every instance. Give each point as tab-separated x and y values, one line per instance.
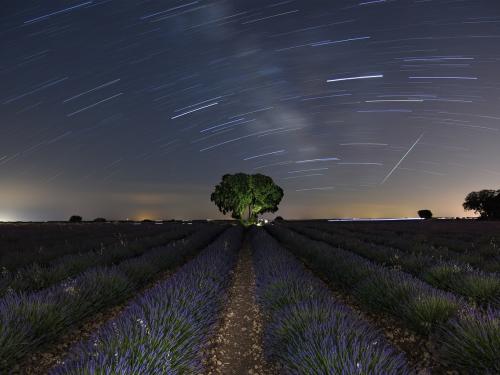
75	219
278	218
99	220
425	214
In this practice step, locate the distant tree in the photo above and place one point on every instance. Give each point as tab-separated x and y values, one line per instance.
99	220
278	218
147	220
246	196
484	202
75	219
425	214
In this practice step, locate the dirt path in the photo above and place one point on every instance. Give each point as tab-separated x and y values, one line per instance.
238	343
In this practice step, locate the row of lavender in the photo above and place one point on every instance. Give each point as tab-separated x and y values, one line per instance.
451	275
164	330
469	340
307	330
23	244
29	320
460	243
37	276
482	252
458	235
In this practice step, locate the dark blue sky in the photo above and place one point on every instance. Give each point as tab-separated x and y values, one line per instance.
137	108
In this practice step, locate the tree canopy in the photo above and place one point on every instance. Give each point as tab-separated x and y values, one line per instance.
425	214
484	202
246	196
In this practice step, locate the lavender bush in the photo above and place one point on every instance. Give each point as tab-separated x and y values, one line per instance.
423	308
162	331
307	331
29	320
479	287
36	276
472	342
41	243
480	252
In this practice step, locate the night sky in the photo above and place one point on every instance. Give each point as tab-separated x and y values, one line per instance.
135	109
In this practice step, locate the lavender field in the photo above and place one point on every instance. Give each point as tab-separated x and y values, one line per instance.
250	187
292	297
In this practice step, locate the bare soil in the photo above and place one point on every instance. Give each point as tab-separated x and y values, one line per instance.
237	345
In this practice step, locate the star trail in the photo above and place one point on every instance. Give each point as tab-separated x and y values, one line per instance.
136	108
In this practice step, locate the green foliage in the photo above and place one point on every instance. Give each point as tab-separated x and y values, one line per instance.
472	343
482	288
444	275
246	196
426	312
380	292
484	202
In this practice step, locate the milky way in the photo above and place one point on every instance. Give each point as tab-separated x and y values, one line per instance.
356	108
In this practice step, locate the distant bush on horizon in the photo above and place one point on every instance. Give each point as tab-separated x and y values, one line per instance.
425	214
75	219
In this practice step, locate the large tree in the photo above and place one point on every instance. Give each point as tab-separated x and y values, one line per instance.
484	202
246	196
